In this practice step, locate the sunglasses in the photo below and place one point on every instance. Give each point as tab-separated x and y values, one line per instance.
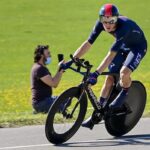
108	20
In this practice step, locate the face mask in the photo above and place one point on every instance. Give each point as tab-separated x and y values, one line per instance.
48	60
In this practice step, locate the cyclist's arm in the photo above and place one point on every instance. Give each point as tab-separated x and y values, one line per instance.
52	81
106	61
88	43
82	49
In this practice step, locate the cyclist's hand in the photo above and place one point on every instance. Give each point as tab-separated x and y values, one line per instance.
93	78
66	65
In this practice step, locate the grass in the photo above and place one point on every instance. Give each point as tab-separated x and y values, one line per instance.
64	25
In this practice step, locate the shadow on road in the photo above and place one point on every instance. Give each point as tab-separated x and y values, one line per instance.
141	139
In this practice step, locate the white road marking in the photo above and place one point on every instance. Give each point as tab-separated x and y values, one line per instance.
134	139
26	146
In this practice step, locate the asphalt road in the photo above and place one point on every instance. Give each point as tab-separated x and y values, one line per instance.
33	138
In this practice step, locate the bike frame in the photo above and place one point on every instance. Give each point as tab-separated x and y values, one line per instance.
85	87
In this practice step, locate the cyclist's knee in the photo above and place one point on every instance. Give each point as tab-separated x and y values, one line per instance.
125	80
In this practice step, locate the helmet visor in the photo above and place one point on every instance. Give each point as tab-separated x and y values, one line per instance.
109	20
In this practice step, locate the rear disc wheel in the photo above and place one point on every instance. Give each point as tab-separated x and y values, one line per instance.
118	125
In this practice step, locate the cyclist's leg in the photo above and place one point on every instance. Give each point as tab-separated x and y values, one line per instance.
105	91
125	83
125	79
114	67
131	63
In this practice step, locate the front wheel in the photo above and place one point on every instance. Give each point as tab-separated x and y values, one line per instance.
118	125
66	115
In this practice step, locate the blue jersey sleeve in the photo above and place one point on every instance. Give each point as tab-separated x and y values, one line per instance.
98	28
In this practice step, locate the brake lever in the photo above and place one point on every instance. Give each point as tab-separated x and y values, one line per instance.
80	62
71	56
87	64
77	61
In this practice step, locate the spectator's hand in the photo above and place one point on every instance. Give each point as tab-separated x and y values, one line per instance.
59	66
93	78
64	66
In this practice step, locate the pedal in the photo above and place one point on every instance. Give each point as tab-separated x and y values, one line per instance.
96	117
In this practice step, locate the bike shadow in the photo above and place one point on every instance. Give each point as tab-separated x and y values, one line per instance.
139	139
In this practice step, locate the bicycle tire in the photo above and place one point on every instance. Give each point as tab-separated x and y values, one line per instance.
51	134
136	100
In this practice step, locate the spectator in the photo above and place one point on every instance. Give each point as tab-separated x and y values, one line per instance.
42	81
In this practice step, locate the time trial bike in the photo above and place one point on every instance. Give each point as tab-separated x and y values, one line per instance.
67	113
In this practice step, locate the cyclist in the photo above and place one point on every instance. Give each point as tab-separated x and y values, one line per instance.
123	57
